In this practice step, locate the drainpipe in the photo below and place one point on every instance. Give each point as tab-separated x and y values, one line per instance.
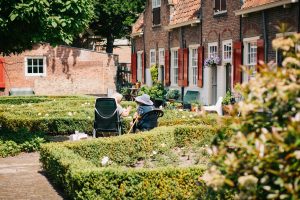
298	16
181	43
265	33
144	54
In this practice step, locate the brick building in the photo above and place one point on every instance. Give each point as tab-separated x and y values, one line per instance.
260	22
179	35
58	70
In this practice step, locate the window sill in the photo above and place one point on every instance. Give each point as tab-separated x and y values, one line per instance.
156	25
220	13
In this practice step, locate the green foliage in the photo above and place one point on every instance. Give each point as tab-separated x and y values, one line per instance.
228	99
56	22
262	160
157	91
114	19
173	94
154	73
14	143
76	167
80	179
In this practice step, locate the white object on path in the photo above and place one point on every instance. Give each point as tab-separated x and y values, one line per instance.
217	107
78	136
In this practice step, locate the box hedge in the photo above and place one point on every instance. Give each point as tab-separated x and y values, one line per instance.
76	166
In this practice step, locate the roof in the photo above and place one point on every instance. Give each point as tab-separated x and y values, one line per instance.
254	3
250	6
137	27
184	11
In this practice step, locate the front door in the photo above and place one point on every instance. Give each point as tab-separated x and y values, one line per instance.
214	84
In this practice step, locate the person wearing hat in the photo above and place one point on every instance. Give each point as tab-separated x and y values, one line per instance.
144	105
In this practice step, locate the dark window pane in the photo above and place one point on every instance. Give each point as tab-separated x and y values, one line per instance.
217	5
41	62
35	70
41	70
156	16
34	61
29	62
29	70
223	4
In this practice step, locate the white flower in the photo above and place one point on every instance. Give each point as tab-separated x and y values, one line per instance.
154	152
163	145
191	116
39	114
248	181
89	117
104	160
297	154
296	118
183	117
70	113
46	115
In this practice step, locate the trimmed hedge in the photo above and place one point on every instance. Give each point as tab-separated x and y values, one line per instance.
76	166
82	180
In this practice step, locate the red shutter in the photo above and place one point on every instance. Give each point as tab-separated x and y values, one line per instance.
167	68
237	62
260	50
2	78
180	67
133	68
200	66
143	67
185	67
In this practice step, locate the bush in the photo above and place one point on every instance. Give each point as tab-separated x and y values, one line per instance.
173	94
76	166
262	160
9	148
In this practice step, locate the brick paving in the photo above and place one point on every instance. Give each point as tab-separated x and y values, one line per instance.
21	178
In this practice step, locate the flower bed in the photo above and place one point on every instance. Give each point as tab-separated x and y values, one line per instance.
76	166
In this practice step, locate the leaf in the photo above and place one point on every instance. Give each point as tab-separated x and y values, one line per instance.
54	24
13	17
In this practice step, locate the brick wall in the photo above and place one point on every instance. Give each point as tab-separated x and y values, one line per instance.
253	24
217	28
68	71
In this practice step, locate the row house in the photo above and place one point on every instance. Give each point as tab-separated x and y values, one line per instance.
179	35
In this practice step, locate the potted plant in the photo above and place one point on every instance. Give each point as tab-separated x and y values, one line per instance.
227	102
173	95
195	106
125	91
212	61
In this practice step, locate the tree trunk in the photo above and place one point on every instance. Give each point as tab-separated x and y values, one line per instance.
110	43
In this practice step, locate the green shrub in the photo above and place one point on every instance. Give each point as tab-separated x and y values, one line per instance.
262	159
9	148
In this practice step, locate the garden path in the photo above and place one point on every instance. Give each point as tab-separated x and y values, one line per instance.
22	178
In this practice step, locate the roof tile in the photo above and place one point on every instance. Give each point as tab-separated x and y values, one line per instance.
138	25
185	10
254	3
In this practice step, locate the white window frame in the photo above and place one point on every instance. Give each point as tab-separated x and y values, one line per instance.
193	66
152	57
224	58
139	72
161	63
35	74
210	53
156	3
219	11
174	67
249	64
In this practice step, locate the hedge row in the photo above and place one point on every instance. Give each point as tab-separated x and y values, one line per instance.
76	165
80	179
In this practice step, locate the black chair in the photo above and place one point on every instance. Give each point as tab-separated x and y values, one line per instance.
107	118
148	120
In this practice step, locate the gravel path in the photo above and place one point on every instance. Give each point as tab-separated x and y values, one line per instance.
21	178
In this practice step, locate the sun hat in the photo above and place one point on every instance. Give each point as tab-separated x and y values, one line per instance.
144	99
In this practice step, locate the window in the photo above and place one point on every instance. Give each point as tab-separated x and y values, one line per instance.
250	57
35	66
174	67
156	12
212	50
139	66
155	4
161	62
152	57
227	51
220	6
193	71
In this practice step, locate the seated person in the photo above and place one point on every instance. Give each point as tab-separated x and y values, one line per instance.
122	112
144	105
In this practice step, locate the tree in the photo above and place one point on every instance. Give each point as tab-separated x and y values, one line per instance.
114	19
27	22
